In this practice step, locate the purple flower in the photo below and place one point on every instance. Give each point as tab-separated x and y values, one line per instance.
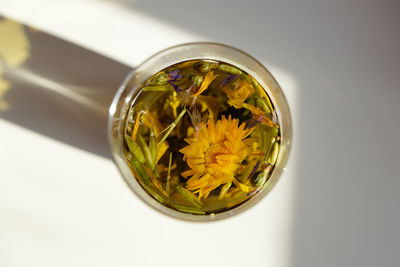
174	75
231	77
177	89
254	169
252	123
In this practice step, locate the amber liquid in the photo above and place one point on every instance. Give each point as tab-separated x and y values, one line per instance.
202	137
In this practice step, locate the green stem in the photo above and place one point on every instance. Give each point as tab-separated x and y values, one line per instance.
135	149
137	166
146	152
187	195
263	105
187	209
168	186
157	88
230	69
172	126
153	148
273	154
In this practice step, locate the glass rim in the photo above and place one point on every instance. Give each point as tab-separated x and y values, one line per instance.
167	57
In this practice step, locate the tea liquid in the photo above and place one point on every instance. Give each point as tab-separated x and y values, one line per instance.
202	136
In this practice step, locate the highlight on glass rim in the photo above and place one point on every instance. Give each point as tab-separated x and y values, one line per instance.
202	137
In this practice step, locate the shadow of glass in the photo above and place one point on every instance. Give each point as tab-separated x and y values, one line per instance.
62	91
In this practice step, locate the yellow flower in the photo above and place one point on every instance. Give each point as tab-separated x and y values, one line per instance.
206	82
237	97
161	149
136	127
215	155
260	116
173	102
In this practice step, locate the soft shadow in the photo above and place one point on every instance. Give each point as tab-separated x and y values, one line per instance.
344	55
63	91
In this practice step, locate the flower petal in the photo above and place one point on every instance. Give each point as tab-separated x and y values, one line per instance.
206	82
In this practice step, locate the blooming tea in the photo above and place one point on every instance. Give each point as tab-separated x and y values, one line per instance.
202	136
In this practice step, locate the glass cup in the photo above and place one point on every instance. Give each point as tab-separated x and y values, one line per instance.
134	81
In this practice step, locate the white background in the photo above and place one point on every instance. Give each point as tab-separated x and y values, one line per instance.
337	204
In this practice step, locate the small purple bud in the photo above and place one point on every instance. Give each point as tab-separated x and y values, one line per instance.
254	169
228	79
251	123
174	75
175	87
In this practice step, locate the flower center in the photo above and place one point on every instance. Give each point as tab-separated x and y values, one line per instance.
212	152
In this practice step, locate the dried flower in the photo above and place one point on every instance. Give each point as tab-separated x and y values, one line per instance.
215	155
173	102
150	120
176	87
208	79
228	79
185	148
185	96
188	96
136	127
161	149
174	75
236	98
260	116
197	119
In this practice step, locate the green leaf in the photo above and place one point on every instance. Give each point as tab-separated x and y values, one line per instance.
168	185
157	88
135	149
273	154
263	176
137	166
153	148
172	126
230	69
263	105
160	79
187	195
187	209
146	152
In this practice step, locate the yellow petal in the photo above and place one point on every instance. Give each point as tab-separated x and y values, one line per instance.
211	131
188	173
161	150
206	82
195	161
224	189
227	157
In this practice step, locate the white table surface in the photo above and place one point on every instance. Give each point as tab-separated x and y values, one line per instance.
337	203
